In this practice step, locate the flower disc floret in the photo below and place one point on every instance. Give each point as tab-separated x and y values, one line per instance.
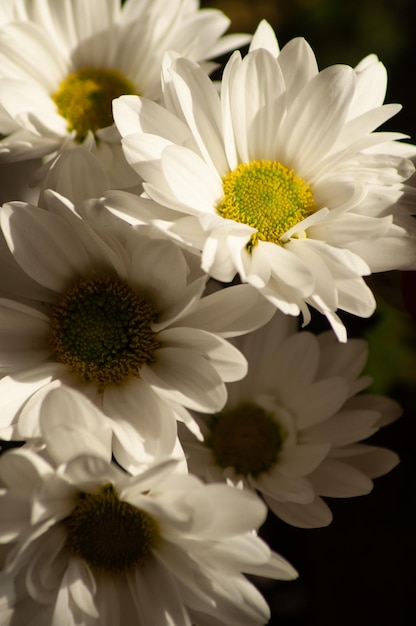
267	196
246	438
109	534
84	98
101	329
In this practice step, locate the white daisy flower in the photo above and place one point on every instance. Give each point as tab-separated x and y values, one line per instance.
88	544
290	429
280	177
118	315
63	61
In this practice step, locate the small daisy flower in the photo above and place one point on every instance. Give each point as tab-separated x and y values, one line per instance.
280	177
118	315
63	61
89	544
291	428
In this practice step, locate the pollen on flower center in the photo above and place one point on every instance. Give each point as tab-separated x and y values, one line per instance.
267	196
246	438
84	98
111	535
101	329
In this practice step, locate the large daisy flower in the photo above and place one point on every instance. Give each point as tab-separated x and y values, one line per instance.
63	61
280	177
118	315
88	544
291	429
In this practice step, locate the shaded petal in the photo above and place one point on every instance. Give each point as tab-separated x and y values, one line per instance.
316	117
187	378
318	402
283	488
313	514
71	425
27	53
145	586
24	336
302	459
337	479
200	107
225	358
43	245
242	308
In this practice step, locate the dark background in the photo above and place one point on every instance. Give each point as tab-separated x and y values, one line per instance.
361	568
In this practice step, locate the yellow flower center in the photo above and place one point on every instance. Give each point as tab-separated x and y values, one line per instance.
84	98
246	438
101	329
267	196
111	535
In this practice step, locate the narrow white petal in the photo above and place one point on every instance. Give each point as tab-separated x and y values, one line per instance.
200	107
264	37
298	64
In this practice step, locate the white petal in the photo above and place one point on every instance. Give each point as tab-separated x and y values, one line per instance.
302	459
282	487
47	559
200	107
71	425
225	358
314	514
23	470
344	428
264	37
24	336
187	378
82	586
339	480
193	183
145	585
133	114
242	310
319	401
316	117
298	64
43	245
372	461
17	389
28	54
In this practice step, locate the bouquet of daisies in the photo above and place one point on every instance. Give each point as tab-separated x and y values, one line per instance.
164	242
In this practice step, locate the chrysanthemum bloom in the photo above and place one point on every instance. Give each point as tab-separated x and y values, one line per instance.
118	315
63	61
291	428
88	544
279	178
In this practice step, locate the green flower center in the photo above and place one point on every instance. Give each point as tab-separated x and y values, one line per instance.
267	196
102	330
246	438
84	98
110	535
